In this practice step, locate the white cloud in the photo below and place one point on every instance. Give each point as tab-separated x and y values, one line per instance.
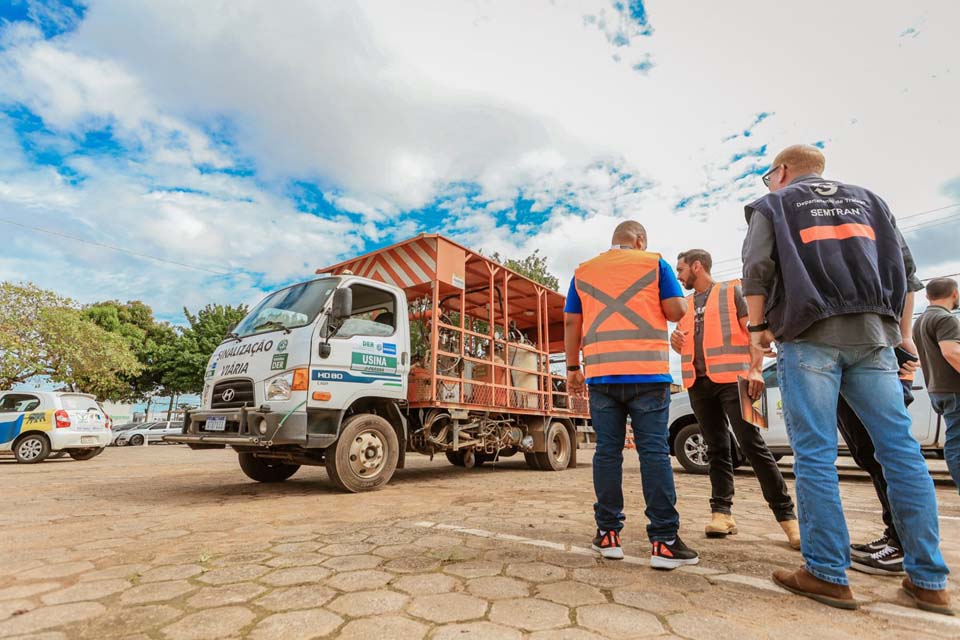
389	106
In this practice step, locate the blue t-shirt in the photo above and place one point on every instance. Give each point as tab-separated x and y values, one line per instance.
669	288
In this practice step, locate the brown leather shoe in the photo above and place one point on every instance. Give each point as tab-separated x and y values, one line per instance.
928	599
792	529
802	583
721	525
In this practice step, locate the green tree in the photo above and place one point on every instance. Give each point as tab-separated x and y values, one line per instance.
534	266
43	334
185	359
84	356
146	337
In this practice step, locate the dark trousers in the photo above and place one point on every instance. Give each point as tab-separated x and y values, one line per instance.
862	451
714	404
648	406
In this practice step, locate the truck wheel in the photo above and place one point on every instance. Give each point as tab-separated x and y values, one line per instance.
455	458
365	455
557	456
85	454
32	449
265	470
531	459
690	447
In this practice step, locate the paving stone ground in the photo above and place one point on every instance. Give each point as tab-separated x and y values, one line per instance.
164	543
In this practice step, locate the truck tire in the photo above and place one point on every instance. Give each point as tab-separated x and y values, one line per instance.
455	458
85	454
558	454
31	449
691	450
265	470
365	455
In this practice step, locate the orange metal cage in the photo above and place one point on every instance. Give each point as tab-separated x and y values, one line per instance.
481	334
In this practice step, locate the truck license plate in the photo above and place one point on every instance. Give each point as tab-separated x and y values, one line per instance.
216	423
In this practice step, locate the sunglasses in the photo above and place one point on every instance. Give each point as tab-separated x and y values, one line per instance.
769	175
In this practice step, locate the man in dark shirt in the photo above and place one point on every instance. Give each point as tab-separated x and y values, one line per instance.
825	275
937	335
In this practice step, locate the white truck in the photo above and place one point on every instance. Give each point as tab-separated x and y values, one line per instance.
424	346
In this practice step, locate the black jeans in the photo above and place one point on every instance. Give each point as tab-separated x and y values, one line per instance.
862	451
714	404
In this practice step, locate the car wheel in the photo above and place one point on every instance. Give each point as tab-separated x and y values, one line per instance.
558	454
85	454
31	449
136	440
263	470
690	448
365	455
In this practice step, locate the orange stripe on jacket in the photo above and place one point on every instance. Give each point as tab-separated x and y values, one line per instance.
837	232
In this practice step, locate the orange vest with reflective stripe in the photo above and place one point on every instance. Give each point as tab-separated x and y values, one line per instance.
726	346
624	329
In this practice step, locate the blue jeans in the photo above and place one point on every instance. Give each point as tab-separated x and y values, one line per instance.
647	405
812	376
948	406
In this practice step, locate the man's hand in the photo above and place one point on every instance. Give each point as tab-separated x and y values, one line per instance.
677	338
755	380
909	368
760	348
576	385
762	340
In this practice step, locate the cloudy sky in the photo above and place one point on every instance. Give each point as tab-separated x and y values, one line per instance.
247	143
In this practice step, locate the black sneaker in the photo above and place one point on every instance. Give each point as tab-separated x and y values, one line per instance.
886	562
670	556
607	543
867	550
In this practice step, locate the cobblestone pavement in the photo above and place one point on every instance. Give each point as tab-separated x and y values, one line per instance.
166	543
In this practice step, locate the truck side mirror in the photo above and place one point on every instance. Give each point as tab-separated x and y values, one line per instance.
342	307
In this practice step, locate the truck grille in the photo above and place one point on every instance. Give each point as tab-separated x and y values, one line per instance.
242	394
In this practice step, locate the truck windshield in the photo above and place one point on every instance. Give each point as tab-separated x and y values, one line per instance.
288	308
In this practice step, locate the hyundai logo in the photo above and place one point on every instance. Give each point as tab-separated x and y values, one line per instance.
227	395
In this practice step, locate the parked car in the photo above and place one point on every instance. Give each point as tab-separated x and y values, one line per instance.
126	426
36	424
149	432
690	448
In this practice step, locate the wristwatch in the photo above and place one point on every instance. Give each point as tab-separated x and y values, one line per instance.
758	328
573	367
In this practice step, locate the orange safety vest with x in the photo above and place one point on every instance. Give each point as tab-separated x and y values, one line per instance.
726	346
624	329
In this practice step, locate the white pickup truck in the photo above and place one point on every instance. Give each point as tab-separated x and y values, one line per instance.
690	448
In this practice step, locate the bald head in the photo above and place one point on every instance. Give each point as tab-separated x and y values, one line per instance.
630	234
801	159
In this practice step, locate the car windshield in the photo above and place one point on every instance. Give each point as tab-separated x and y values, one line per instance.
79	403
288	308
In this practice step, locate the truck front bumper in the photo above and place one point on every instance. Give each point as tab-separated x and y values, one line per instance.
249	427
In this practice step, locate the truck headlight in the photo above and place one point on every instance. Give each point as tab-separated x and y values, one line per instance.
279	388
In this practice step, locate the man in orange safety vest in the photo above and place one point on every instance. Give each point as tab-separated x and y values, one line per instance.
714	345
616	313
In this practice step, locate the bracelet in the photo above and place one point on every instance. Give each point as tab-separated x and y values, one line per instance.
763	326
573	367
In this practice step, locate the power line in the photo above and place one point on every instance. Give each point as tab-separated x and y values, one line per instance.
113	248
